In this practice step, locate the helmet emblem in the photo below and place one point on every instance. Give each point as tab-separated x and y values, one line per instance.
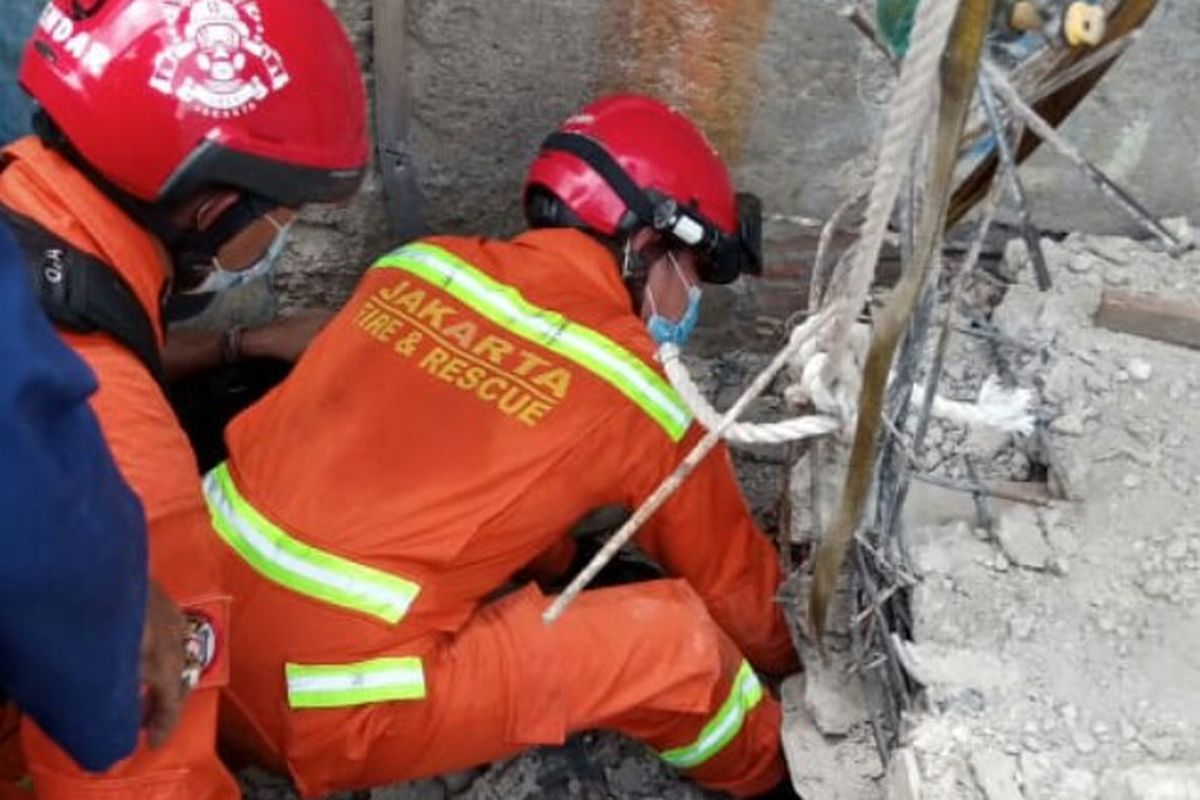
218	60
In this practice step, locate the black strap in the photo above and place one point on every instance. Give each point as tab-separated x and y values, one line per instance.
596	157
82	293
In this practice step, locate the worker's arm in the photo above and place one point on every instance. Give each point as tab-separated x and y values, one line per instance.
708	511
73	584
286	338
706	534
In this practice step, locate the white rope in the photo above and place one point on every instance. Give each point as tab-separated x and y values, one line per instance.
811	371
1001	409
828	377
826	366
907	116
672	482
788	430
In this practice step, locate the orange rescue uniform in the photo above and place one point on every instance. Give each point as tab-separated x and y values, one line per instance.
156	460
473	400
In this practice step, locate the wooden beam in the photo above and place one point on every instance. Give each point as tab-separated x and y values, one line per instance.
1151	317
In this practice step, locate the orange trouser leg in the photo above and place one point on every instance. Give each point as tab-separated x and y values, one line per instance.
185	768
646	660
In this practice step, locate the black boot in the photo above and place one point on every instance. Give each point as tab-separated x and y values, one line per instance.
626	567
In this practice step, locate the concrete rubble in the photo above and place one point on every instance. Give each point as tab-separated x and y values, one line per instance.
1059	647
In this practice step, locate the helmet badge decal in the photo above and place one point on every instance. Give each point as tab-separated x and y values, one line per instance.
218	60
76	45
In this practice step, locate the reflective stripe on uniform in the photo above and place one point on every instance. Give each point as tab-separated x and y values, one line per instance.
291	563
505	306
745	694
340	685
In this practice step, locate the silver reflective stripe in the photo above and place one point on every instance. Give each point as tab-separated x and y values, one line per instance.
744	695
340	685
298	566
507	307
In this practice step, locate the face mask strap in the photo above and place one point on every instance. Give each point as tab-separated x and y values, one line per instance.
219	279
195	251
688	285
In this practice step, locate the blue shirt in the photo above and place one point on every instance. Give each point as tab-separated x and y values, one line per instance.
72	542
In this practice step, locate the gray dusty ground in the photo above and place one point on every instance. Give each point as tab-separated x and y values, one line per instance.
1061	647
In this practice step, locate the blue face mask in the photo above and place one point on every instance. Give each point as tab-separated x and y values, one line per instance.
665	331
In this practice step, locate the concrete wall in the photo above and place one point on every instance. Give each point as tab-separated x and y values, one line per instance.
789	91
775	84
19	18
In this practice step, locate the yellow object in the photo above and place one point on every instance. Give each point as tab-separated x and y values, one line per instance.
1025	16
1084	25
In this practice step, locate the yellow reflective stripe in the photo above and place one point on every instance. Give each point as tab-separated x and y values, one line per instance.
506	307
298	566
745	694
341	685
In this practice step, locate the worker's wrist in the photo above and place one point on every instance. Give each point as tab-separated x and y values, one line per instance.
231	345
256	342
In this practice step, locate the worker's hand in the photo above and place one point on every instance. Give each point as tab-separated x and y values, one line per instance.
163	640
285	338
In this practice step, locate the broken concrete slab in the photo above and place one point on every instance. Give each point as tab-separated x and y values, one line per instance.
942	667
996	775
1152	782
833	699
946	549
904	776
1020	536
839	768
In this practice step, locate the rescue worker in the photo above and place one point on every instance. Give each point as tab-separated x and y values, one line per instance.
472	401
74	538
175	140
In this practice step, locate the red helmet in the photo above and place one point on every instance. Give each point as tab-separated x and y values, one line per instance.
164	97
629	161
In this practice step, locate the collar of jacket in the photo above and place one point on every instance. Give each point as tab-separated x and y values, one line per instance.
42	185
589	262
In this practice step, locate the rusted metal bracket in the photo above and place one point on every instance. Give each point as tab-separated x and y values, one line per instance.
393	103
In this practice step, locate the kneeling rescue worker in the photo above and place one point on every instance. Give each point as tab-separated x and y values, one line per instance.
473	400
174	140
